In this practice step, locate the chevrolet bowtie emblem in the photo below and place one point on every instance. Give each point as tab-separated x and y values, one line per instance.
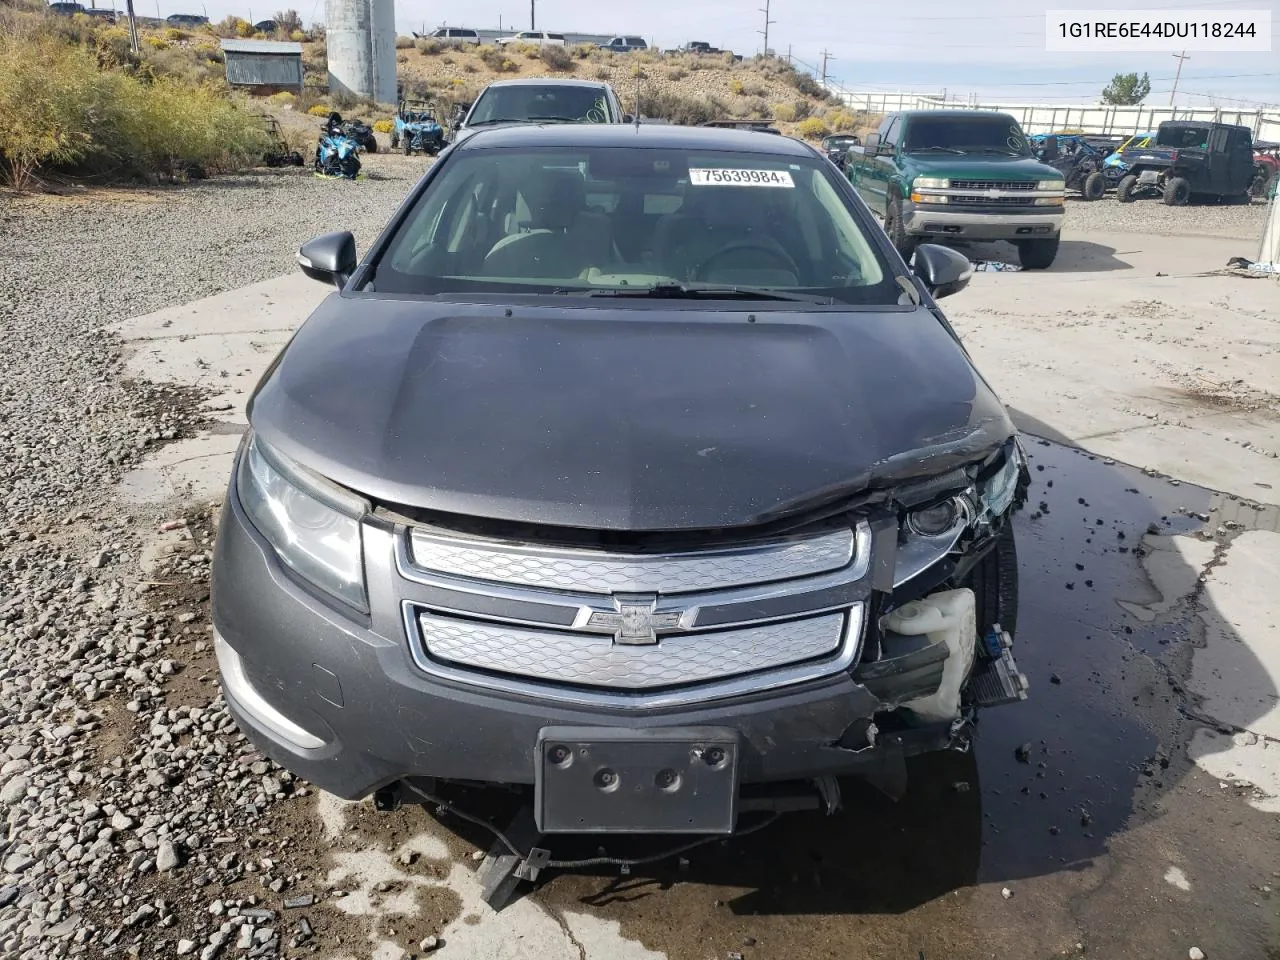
635	620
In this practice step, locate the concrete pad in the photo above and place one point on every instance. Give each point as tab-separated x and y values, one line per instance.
1173	565
1237	672
195	469
1241	758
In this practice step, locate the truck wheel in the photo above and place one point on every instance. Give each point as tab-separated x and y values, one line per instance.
1124	189
1177	191
1095	186
902	241
1038	254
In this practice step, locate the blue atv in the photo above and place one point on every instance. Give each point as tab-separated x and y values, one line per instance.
337	153
416	129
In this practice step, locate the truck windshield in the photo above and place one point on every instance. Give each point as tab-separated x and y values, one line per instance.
1184	138
965	134
620	221
565	103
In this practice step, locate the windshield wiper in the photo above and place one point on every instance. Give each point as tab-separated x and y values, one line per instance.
684	291
557	119
935	147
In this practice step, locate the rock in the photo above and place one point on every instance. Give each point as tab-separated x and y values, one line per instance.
185	947
429	943
14	790
1195	953
166	857
407	858
1023	753
297	903
120	822
1006	893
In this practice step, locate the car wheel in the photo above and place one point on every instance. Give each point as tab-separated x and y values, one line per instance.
1177	191
1095	186
902	241
408	149
395	140
1039	253
371	145
1124	189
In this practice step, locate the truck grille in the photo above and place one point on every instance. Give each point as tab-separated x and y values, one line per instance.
591	626
993	185
979	201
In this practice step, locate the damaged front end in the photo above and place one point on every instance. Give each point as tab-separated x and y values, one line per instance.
943	611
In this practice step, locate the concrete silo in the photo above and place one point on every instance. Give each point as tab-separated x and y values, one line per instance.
360	41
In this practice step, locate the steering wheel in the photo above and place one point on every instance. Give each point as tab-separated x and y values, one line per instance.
765	245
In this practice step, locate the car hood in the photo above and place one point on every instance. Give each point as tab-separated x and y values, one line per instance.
639	417
986	166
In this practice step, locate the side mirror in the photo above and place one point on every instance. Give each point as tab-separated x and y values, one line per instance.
329	258
871	147
628	118
943	270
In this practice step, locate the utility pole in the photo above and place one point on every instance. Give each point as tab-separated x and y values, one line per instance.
825	57
133	26
1179	57
533	25
767	22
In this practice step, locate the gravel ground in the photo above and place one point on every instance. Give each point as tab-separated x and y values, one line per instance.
1151	216
123	783
138	821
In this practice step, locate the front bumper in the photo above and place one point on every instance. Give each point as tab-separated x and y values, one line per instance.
343	704
942	222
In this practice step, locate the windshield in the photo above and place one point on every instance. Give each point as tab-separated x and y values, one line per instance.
966	134
839	142
594	220
1183	137
528	102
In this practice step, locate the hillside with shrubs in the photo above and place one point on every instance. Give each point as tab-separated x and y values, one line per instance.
78	103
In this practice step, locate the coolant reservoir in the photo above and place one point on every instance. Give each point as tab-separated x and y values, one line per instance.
950	618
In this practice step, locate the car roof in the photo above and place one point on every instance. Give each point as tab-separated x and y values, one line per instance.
547	82
656	136
984	114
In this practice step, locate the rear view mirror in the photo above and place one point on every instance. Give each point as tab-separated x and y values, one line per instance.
329	258
943	270
872	145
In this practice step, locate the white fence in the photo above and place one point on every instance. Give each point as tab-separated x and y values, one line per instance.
1089	118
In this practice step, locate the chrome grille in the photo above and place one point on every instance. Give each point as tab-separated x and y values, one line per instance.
598	572
994	201
596	661
993	184
631	629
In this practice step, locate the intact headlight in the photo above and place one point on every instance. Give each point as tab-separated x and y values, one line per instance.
1051	185
313	534
930	183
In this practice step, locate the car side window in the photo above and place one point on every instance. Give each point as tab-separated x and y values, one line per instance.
891	135
1218	142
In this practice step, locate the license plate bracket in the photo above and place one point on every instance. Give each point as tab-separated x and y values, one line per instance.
619	780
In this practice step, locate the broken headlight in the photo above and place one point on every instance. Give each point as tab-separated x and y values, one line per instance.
315	532
1001	487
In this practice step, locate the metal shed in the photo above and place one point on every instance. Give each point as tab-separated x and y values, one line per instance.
263	63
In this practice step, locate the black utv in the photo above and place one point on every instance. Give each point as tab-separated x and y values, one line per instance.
1190	160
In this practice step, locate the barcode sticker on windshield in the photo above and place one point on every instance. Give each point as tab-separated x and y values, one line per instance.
705	177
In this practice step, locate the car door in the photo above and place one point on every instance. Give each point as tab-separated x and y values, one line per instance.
1239	160
880	168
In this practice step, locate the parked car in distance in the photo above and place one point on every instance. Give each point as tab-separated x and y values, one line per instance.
700	48
836	147
66	9
266	26
186	20
455	35
625	44
542	100
1266	169
959	175
102	13
535	493
536	38
1190	160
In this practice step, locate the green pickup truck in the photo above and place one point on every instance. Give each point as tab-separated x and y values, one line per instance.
959	175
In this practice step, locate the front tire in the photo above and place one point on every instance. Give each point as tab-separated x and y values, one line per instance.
1095	186
902	241
1038	254
994	582
1124	189
395	140
1177	192
370	145
349	167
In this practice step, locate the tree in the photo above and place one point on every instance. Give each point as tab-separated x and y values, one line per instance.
1126	89
287	21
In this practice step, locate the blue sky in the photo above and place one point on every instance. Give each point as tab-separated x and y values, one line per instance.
994	48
